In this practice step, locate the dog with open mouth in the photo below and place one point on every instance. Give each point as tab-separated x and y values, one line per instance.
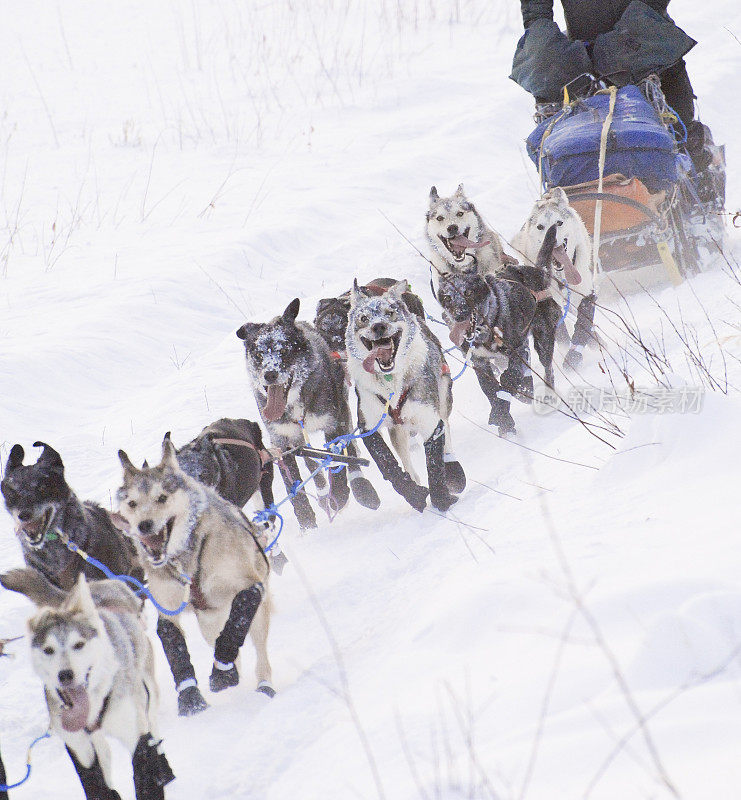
90	648
41	503
198	548
572	284
401	379
493	317
300	389
459	239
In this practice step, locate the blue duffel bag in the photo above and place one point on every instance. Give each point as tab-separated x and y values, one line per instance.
638	144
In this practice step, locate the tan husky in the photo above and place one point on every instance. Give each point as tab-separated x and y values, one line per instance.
198	548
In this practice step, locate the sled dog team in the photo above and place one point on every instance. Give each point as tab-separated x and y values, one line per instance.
179	531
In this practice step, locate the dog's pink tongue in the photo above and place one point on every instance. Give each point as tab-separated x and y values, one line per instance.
384	353
276	404
458	332
75	709
573	278
464	243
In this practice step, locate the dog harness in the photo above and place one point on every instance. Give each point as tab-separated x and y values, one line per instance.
264	455
395	413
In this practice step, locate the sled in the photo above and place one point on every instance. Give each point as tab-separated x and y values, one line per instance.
651	213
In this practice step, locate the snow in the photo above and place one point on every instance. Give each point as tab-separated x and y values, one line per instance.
170	171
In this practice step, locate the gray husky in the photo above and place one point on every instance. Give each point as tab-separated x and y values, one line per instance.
90	649
398	367
492	318
40	502
458	237
198	547
300	389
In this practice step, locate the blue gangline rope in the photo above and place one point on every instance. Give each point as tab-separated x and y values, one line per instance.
7	787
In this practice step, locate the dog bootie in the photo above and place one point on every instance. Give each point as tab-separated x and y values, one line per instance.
388	466
190	701
501	417
265	688
455	477
151	770
223	676
440	497
573	358
363	491
232	636
92	780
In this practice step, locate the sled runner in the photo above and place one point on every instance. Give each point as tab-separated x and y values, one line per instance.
619	155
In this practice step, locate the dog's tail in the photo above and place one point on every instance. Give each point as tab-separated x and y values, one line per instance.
544	261
34	586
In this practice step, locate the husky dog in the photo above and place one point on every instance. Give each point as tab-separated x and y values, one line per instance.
458	237
572	262
491	318
228	455
90	649
299	389
332	312
394	357
197	546
40	502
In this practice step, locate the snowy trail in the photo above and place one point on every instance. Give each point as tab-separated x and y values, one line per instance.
186	199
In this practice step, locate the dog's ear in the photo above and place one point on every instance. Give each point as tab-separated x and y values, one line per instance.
249	330
15	459
434	196
145	464
559	195
128	467
49	457
397	290
460	191
169	455
81	601
356	294
119	521
291	312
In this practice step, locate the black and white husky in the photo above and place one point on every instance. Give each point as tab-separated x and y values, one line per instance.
300	389
458	237
492	317
398	368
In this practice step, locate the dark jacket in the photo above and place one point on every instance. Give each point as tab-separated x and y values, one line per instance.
621	41
585	19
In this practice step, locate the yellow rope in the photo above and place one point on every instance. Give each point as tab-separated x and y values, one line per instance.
601	168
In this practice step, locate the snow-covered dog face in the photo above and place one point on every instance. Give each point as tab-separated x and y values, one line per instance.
66	646
155	508
34	494
276	358
331	321
453	226
379	328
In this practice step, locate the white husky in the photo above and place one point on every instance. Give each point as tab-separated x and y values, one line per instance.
573	280
92	653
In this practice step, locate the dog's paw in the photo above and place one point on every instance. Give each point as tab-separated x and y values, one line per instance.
221	679
504	422
190	702
442	500
265	688
455	477
277	562
364	493
573	359
416	496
